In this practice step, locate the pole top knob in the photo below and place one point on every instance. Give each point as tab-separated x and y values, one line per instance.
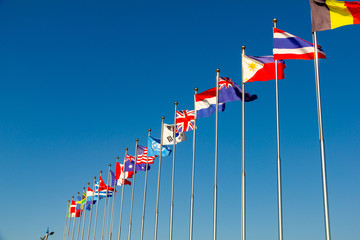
78	193
149	130
196	89
218	70
176	103
243	47
72	197
137	140
109	165
88	183
162	117
83	188
117	157
275	20
68	201
100	171
94	177
126	149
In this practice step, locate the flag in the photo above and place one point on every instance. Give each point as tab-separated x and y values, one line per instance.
112	179
83	199
154	148
330	14
205	103
230	91
261	68
90	198
122	176
102	192
168	135
185	120
103	186
129	166
288	46
78	207
72	209
142	155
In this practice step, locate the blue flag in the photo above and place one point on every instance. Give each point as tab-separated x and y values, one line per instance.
129	166
154	148
230	91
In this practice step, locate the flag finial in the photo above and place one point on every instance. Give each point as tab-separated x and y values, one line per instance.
109	165
218	70
94	177
126	149
274	20
78	192
68	201
83	188
117	157
88	183
243	47
162	117
137	140
100	171
72	197
196	89
176	103
149	130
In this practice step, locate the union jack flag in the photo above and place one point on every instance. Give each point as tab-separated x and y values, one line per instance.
142	155
185	120
225	82
129	158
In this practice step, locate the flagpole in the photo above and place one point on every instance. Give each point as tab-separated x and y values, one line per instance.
145	187
78	232
133	189
84	213
97	206
192	176
158	183
278	148
73	231
91	207
321	138
67	214
243	157
107	190
113	203
72	198
216	153
122	195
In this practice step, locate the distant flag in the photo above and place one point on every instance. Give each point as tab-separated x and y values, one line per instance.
120	174
205	103
185	120
230	91
90	197
103	186
129	166
142	155
72	209
261	68
330	14
83	199
154	148
288	46
168	135
102	192
112	179
78	207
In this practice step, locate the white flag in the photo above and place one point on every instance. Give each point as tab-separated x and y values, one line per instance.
168	135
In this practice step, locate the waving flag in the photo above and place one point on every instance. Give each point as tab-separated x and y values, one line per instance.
330	14
142	155
261	68
185	120
168	135
154	148
90	196
78	207
288	46
83	199
103	186
121	176
230	91
205	103
102	193
129	166
72	209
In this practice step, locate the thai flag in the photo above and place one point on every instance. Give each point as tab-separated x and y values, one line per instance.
288	46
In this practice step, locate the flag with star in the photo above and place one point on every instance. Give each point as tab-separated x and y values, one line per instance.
230	91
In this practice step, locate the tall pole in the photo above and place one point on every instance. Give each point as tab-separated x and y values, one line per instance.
113	203
67	215
78	231
243	157
216	154
321	137
91	207
133	189
192	177
145	187
172	177
158	183
73	231
97	206
278	148
122	195
107	190
67	238
84	213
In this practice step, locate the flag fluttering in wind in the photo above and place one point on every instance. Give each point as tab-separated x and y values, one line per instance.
168	135
154	148
78	210
102	193
90	197
72	209
261	68
142	155
121	176
230	91
130	164
288	46
103	186
205	103
330	14
185	120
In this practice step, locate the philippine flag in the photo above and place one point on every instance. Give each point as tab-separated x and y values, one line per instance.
288	46
261	68
205	103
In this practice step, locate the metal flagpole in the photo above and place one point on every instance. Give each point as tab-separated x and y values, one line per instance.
73	231
107	190
158	183
321	137
145	187
78	232
84	213
173	176
91	207
133	188
97	206
278	148
67	214
113	203
192	177
122	195
72	198
243	157
216	153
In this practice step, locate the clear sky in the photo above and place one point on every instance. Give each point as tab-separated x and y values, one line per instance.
81	80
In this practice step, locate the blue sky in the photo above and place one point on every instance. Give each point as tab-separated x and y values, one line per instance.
81	80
